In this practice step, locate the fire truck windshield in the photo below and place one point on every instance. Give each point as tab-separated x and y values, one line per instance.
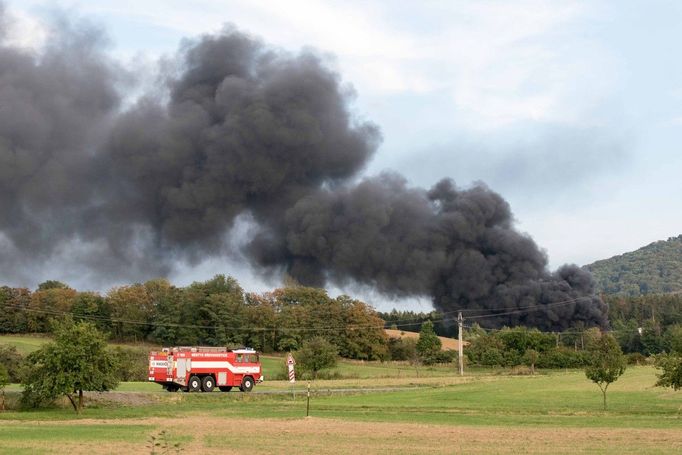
247	358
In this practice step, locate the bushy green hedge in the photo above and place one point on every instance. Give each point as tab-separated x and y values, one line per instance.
562	357
509	348
402	349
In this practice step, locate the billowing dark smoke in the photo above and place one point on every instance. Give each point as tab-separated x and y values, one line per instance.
244	129
240	128
55	109
457	246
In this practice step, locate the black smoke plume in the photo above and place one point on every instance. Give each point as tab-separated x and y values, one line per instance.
457	246
241	128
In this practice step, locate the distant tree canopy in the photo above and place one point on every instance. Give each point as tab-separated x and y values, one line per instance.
655	268
412	321
214	312
52	284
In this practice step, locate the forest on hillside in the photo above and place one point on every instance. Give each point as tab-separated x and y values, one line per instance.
653	269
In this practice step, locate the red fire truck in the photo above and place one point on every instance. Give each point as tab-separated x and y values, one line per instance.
199	368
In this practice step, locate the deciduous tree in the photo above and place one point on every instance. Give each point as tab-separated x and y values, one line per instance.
316	354
606	362
671	371
364	337
77	360
132	312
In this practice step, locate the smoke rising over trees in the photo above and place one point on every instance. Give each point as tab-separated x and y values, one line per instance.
239	128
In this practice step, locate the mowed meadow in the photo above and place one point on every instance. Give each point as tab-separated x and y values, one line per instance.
372	407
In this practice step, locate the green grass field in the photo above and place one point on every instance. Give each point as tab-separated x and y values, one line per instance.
484	412
25	344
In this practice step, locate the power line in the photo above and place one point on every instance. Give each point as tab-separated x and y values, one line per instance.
527	309
564	332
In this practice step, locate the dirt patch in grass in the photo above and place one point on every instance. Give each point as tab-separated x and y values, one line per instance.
127	398
209	435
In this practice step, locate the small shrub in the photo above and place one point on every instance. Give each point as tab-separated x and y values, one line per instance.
315	355
492	356
132	363
12	361
670	366
402	348
636	358
447	356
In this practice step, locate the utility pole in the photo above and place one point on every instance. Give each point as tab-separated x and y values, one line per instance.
460	355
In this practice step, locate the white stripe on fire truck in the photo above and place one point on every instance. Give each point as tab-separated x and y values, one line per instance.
218	364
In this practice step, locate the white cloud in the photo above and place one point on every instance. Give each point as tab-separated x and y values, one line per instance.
502	62
507	62
24	31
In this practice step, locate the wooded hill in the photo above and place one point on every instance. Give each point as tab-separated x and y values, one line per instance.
653	269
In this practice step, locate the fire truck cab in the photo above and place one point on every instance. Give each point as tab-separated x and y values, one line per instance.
202	368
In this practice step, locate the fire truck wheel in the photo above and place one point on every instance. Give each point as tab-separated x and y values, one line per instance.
247	384
194	384
225	388
207	384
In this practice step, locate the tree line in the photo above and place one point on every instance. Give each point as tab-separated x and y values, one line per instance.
644	324
219	312
215	312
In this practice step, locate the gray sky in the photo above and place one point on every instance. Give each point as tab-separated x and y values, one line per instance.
570	110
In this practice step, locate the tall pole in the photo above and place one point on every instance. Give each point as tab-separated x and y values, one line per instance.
460	356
